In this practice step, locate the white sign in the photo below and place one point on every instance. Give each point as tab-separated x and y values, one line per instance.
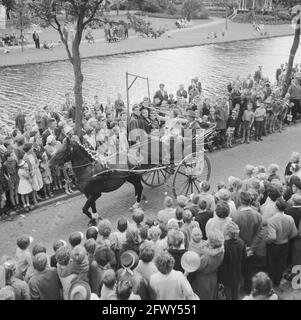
2	17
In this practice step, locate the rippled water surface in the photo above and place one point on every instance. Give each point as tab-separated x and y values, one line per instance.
32	86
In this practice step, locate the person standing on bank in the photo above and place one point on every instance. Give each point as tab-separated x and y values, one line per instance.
36	39
281	228
295	95
160	95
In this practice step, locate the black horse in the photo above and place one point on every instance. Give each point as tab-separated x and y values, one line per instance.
89	180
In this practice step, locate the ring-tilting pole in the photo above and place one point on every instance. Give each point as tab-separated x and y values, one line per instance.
128	87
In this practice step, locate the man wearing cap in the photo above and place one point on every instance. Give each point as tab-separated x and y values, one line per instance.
52	130
192	122
160	95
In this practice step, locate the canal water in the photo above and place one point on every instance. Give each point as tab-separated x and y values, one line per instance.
31	87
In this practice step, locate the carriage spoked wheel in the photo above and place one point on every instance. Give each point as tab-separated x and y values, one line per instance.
155	178
189	173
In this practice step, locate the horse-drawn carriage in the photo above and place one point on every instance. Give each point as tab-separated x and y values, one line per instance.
183	169
183	177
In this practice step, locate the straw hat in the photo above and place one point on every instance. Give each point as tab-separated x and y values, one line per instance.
79	290
190	261
129	259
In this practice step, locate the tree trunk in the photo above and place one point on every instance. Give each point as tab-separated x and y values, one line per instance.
117	8
78	83
226	26
291	59
22	40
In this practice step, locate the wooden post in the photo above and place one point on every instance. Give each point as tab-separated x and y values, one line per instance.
148	89
127	94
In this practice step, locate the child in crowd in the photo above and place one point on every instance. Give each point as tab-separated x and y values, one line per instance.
187	227
75	238
46	176
272	172
92	233
25	185
232	120
11	170
138	217
90	246
3	188
259	117
104	231
108	289
56	246
23	256
247	122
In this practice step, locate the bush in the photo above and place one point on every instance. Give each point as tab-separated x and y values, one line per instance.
155	6
260	19
151	6
202	15
284	15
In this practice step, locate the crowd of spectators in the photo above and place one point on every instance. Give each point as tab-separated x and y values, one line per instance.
252	104
235	242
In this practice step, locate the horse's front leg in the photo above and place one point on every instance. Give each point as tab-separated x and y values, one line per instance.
95	215
87	206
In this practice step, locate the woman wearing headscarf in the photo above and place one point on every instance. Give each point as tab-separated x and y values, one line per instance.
229	272
204	281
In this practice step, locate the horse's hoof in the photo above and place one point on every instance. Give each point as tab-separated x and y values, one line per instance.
92	223
88	214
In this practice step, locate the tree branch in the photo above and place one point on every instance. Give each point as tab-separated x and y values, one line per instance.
91	18
59	29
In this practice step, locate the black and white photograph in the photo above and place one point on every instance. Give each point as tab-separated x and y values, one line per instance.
150	150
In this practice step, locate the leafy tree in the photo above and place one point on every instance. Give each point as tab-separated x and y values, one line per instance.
191	8
21	18
9	5
228	5
117	4
82	13
144	27
296	12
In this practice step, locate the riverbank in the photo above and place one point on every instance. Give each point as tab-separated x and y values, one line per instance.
196	35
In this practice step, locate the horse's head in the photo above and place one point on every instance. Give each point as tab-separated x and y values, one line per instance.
63	154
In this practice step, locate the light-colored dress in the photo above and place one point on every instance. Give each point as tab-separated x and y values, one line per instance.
37	180
25	186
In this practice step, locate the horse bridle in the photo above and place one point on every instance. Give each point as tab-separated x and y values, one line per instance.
83	165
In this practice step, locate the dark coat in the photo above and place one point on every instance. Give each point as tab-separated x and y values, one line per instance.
177	255
229	273
182	94
202	218
160	96
20	121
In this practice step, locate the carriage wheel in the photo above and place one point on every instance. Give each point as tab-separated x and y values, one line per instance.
185	184
155	178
